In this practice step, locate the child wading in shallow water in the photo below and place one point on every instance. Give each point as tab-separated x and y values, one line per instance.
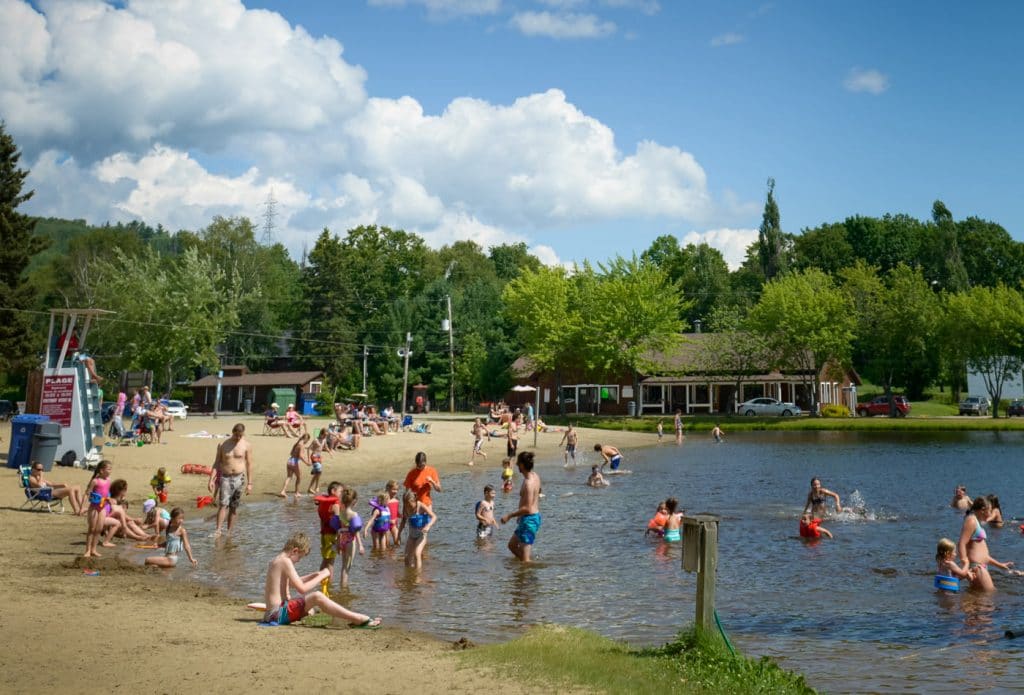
945	561
419	518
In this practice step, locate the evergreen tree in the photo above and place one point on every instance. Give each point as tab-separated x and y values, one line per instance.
17	246
769	237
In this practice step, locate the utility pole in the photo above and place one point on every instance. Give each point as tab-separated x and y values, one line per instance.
451	358
405	374
366	351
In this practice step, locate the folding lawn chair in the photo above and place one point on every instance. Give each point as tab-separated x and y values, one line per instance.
406	423
40	497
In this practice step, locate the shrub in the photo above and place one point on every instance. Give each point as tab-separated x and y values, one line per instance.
835	410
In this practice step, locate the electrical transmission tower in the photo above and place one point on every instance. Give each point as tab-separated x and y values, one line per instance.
269	213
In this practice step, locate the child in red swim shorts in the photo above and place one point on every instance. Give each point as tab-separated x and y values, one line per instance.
811	528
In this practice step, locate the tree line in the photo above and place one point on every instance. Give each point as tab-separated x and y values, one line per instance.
908	303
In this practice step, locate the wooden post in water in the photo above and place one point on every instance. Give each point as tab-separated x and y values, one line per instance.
700	555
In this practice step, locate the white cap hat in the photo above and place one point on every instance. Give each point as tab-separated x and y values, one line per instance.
274	405
148	505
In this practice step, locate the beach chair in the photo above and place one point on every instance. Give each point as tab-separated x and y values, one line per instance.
406	423
38	498
273	428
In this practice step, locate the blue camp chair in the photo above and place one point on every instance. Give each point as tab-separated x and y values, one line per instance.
38	498
406	423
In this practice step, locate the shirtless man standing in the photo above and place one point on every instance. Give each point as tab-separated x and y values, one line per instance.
529	509
232	470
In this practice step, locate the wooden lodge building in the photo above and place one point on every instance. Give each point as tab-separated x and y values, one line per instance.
240	387
690	378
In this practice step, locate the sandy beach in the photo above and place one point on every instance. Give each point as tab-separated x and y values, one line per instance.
130	628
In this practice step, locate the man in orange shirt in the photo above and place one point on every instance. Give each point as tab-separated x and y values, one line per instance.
422	479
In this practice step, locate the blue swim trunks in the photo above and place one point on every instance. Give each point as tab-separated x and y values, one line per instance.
526	529
616	460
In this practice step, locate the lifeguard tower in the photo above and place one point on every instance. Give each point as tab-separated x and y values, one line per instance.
68	396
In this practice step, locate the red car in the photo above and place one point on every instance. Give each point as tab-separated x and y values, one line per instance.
880	406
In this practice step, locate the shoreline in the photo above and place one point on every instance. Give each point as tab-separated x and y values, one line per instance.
71	631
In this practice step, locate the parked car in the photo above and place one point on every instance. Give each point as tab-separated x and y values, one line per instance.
880	406
1016	407
177	409
768	406
974	405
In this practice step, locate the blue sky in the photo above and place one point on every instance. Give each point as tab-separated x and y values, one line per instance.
585	128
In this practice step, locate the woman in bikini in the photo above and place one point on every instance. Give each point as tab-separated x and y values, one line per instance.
816	498
973	546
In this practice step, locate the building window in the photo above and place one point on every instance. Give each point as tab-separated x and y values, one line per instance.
314	387
610	394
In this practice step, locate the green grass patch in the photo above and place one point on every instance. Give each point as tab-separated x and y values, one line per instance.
571	658
917	421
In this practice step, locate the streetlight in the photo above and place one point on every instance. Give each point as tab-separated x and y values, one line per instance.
446	325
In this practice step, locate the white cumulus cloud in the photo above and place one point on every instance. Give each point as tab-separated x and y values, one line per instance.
562	25
173	112
732	243
870	81
94	79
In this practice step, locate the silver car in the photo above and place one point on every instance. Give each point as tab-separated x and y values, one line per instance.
768	406
974	405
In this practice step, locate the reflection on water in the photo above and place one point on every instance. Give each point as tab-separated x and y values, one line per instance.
856	613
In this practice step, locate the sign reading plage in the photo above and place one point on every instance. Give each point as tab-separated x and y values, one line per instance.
58	398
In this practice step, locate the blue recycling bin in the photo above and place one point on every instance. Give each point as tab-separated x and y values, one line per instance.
23	427
309	407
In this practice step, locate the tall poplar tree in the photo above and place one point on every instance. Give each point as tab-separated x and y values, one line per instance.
17	246
769	237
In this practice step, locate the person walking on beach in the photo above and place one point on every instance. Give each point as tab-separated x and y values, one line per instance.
232	473
569	439
478	432
528	512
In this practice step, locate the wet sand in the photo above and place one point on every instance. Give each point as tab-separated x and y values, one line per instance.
132	628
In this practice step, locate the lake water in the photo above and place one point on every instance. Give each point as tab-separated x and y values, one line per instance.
855	614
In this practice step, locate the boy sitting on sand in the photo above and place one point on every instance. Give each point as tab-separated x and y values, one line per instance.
281	575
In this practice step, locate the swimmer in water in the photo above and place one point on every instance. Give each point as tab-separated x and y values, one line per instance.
816	498
717	434
810	527
596	479
506	474
960	499
673	522
656	526
996	520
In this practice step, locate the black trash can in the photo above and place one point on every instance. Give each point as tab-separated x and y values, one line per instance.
45	442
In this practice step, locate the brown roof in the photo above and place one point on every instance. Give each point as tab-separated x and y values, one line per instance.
262	379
